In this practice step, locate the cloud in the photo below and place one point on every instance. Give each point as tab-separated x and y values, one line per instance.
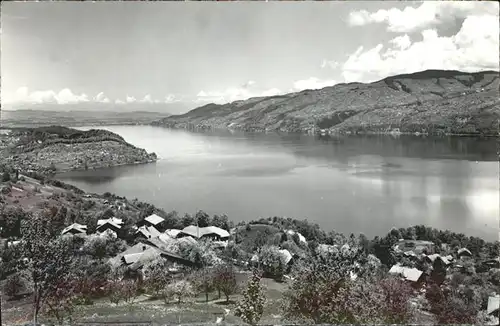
119	102
130	99
312	83
101	98
331	64
473	48
246	91
428	15
171	98
64	96
146	99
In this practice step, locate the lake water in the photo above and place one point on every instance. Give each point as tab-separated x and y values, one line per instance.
351	184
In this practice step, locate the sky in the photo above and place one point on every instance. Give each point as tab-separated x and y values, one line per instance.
203	52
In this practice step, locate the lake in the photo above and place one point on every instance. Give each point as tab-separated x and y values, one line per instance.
350	184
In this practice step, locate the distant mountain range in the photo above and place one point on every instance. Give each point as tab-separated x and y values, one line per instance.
76	118
428	102
170	108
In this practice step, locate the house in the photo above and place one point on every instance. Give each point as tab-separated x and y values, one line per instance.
287	256
136	249
417	246
113	224
75	228
464	252
211	232
152	220
147	232
410	274
433	257
301	237
493	306
173	233
491	263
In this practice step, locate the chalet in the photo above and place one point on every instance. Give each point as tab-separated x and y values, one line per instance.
140	254
147	232
413	275
464	252
113	224
210	232
75	228
152	220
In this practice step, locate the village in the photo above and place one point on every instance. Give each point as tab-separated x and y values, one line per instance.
417	260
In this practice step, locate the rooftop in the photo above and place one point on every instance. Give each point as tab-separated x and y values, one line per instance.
154	219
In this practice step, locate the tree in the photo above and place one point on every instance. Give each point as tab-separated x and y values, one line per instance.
48	259
452	306
272	262
180	290
60	302
5	176
225	280
187	220
203	280
251	307
156	276
221	221
202	218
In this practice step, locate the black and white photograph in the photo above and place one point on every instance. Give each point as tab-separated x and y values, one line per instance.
249	163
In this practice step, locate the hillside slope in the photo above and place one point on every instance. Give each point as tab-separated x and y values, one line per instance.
431	101
58	149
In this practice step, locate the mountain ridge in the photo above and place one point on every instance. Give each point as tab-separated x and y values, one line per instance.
425	102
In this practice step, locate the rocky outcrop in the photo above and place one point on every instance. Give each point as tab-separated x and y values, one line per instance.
428	102
57	149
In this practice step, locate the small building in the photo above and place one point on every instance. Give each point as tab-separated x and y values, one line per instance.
147	232
493	306
432	258
113	224
152	220
491	263
210	232
464	252
301	237
75	228
173	233
417	246
412	275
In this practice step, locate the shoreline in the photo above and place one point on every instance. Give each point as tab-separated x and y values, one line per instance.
331	133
